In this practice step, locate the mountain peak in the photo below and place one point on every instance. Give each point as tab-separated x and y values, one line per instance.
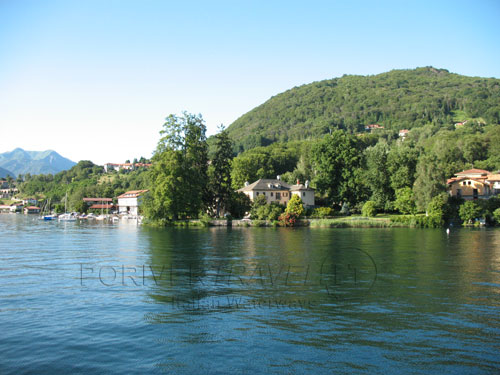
19	161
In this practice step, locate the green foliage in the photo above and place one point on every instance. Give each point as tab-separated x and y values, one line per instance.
263	162
377	175
469	211
337	160
398	99
496	216
369	209
219	173
322	212
295	206
239	204
405	202
179	173
429	181
80	206
437	211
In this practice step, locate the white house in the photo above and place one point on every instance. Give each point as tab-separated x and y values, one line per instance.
130	201
278	191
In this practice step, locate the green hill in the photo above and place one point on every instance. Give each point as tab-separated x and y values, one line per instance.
399	99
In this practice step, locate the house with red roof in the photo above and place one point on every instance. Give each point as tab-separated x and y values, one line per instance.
474	184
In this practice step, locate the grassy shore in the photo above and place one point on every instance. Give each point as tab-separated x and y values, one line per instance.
380	221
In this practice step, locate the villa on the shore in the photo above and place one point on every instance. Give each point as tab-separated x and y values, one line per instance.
278	191
474	184
130	201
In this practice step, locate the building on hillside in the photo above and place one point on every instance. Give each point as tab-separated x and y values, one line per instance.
130	201
30	201
474	184
372	127
31	210
403	134
278	191
108	167
8	193
4	184
16	207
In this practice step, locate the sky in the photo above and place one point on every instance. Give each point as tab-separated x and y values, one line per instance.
95	79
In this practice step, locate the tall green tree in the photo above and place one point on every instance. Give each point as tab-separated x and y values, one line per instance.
220	172
179	173
429	182
377	174
337	161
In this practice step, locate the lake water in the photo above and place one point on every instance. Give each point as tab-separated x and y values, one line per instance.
120	299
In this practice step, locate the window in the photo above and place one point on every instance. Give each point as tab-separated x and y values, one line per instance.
303	193
257	193
278	196
468	182
459	193
271	193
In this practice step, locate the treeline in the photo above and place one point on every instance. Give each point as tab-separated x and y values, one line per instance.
352	173
85	179
382	168
399	99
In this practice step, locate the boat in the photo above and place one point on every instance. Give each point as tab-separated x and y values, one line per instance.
66	216
47	217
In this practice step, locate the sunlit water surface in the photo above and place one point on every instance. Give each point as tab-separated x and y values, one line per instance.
85	298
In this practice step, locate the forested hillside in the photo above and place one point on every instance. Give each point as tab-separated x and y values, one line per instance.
399	99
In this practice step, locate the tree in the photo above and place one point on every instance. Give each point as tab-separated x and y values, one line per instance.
401	164
369	209
437	211
239	204
429	181
220	172
179	172
469	211
405	202
377	175
337	160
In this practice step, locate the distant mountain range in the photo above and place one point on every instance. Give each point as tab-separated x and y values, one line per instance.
4	173
19	161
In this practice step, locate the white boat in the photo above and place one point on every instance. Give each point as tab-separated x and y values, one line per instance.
67	217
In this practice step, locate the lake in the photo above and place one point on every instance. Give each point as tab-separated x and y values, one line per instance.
99	298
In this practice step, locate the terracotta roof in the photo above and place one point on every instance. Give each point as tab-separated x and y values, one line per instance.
493	177
32	208
97	199
132	194
102	206
472	171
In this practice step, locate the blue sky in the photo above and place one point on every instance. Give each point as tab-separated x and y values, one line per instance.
95	79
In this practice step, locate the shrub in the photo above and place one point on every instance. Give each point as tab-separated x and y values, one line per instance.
287	220
437	211
405	202
496	216
369	209
295	206
469	211
322	212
